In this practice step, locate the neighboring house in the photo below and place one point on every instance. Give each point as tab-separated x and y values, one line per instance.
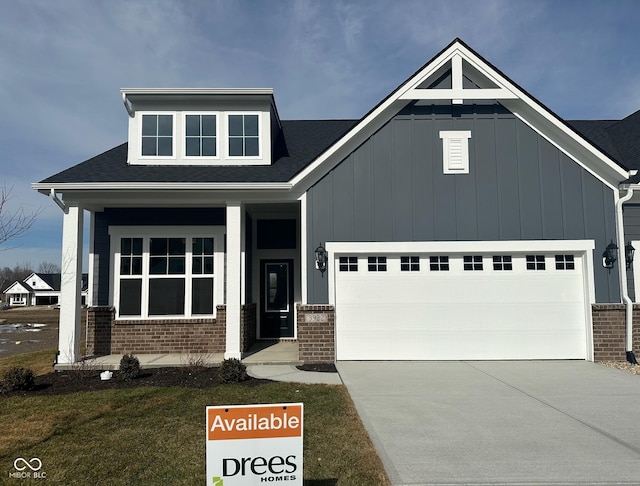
458	219
39	289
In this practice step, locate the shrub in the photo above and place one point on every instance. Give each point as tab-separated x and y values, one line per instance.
17	378
233	371
129	367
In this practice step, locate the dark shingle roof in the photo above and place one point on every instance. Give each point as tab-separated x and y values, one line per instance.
619	139
301	142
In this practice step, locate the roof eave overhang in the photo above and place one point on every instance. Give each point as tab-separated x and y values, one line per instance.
46	187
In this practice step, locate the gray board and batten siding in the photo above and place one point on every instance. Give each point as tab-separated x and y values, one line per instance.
631	214
139	217
520	187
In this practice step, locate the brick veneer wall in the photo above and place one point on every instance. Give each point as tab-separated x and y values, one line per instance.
248	326
99	321
201	336
609	332
316	338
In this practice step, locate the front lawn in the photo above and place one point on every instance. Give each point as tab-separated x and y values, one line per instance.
156	435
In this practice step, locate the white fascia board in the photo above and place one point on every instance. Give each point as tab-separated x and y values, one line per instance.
462	94
197	91
457	247
187	186
16	288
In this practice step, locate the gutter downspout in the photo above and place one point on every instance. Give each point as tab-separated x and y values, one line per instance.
57	200
622	274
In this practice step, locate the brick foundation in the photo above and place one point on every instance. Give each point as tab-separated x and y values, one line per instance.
316	333
609	331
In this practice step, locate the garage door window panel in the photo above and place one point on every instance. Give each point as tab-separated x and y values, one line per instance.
535	262
409	263
502	262
473	263
348	264
377	263
439	263
565	262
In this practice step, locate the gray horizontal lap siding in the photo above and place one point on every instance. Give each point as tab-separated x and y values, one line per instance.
520	187
139	217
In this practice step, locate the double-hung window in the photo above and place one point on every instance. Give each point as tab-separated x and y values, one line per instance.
201	135
244	135
167	272
157	135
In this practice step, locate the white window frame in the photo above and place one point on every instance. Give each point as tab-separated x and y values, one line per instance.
227	136
174	135
183	134
148	232
455	151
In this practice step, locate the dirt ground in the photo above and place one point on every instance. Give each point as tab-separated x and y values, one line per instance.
26	337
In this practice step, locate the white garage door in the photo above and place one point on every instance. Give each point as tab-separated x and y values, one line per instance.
452	303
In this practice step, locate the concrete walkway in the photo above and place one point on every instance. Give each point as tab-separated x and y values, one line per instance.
266	360
500	423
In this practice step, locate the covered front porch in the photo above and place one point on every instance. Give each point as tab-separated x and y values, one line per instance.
256	279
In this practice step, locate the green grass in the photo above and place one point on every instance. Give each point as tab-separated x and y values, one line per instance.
152	435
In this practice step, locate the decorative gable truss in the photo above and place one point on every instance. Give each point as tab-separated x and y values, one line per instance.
459	76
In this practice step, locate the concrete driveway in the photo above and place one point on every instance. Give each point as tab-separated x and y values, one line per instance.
496	423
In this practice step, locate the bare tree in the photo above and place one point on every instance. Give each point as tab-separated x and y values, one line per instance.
13	223
48	267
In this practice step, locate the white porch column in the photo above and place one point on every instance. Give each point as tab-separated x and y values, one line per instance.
234	279
70	285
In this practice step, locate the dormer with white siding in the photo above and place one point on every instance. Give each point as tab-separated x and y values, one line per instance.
208	127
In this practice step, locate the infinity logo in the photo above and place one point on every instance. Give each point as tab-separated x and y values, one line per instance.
34	464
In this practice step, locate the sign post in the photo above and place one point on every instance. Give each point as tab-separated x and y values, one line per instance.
255	444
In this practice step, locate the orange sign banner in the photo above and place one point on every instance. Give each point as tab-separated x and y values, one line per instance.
254	422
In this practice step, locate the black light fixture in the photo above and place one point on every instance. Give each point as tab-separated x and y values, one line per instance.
628	254
610	255
321	259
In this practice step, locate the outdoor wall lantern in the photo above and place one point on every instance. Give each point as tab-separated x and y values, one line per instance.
628	254
321	259
610	255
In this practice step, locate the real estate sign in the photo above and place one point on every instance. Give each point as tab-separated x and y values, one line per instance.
254	444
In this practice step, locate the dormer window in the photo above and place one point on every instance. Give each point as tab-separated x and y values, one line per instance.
201	135
157	135
244	135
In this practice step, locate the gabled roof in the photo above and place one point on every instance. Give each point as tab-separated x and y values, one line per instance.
17	288
51	279
308	149
457	75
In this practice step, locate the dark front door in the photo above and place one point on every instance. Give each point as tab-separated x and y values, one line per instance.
276	298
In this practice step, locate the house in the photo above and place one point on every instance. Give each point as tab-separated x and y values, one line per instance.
39	289
459	218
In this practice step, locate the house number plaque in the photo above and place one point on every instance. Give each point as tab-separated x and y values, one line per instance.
316	318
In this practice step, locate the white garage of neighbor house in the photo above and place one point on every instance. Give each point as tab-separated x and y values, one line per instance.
459	218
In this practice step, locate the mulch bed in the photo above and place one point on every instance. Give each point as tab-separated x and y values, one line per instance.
62	382
319	367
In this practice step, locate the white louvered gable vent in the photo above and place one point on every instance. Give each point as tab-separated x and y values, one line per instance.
455	151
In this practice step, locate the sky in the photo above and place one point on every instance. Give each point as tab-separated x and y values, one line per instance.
63	62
